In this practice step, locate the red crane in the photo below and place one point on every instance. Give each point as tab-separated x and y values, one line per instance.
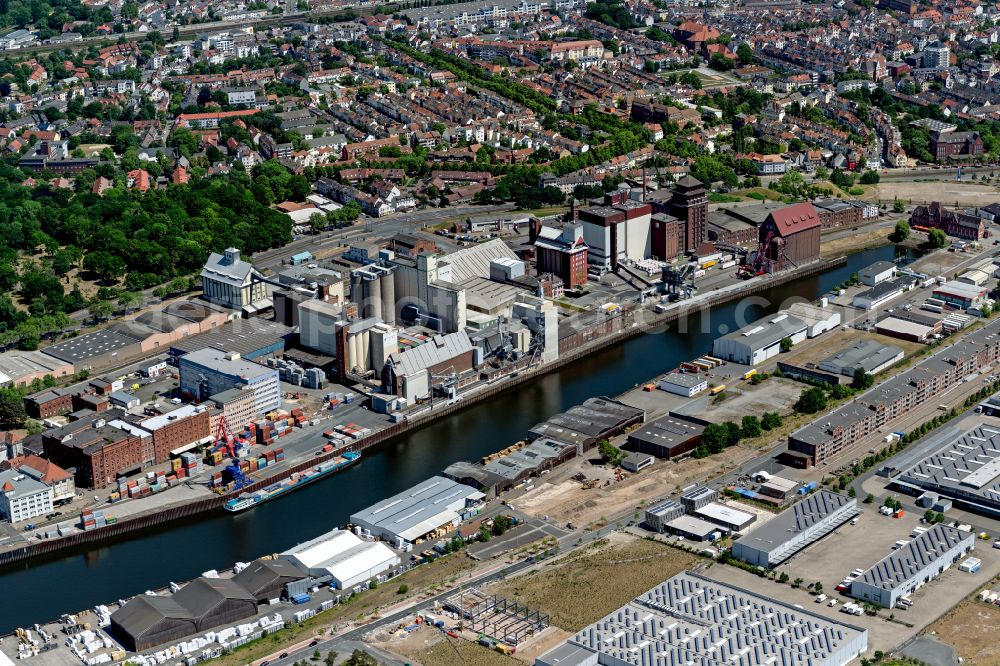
750	270
224	436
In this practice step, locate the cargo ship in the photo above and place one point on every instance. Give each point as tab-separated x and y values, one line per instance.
250	500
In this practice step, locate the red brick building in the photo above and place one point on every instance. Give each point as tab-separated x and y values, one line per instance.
99	452
945	145
177	429
561	252
792	235
959	225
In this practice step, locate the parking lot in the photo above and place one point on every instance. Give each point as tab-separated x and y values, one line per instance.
859	547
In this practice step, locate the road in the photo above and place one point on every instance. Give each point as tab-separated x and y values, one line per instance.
366	228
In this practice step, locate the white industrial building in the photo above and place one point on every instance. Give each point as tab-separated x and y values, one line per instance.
207	372
729	517
343	558
434	507
542	319
229	281
761	340
909	567
818	319
693	619
317	325
687	384
795	528
881	293
876	273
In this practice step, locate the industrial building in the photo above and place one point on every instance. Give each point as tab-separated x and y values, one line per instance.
793	529
561	252
965	470
616	232
666	437
266	579
695	529
413	373
910	566
868	356
692	619
819	319
229	281
585	425
687	385
522	464
658	516
731	518
759	341
206	372
880	271
432	508
834	432
147	621
882	293
790	236
342	558
253	339
961	294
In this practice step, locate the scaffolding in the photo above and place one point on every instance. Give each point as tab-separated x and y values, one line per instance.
496	617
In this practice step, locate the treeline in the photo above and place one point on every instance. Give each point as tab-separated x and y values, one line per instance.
141	239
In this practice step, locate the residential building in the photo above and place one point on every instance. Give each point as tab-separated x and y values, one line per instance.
23	497
45	471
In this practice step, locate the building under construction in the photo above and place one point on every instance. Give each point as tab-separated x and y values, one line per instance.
496	617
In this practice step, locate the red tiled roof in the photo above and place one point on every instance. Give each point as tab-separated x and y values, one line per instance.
796	218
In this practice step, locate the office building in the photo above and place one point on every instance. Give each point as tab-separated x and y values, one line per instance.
659	515
206	372
23	497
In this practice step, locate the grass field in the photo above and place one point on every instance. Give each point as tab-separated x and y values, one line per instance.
454	651
586	586
972	629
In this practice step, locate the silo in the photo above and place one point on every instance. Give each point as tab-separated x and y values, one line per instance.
388	288
357	289
365	349
373	296
352	360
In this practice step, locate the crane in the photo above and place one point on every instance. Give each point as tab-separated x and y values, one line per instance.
225	437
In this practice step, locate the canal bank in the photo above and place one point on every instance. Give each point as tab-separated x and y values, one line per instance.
181	550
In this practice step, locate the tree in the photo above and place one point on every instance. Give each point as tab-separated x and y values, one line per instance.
744	52
869	177
501	524
869	499
403	588
12	414
862	380
937	238
484	533
360	658
714	438
898	206
751	426
317	655
929	516
811	401
100	310
609	452
851	492
797	582
818	587
786	344
770	421
901	232
987	310
783	578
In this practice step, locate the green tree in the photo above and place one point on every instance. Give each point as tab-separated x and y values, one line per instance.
869	177
937	238
609	452
797	582
783	578
100	310
360	658
786	344
403	588
862	380
770	421
12	414
501	524
811	401
869	499
751	426
744	53
901	232
818	587
898	206
714	437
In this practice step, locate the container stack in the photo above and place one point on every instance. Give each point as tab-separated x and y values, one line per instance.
91	519
191	465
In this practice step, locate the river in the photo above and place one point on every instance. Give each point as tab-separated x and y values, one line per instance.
43	589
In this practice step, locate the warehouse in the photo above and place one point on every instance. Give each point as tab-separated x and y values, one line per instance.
266	579
203	604
868	356
965	470
728	517
778	487
818	319
904	329
430	509
694	529
795	528
761	340
342	558
666	437
883	292
659	515
961	294
692	619
541	454
907	568
687	385
877	273
585	425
